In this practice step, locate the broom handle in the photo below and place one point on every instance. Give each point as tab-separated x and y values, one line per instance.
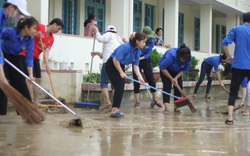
90	72
179	89
50	80
153	88
41	88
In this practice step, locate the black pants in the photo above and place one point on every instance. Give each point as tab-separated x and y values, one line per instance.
16	80
116	81
167	85
145	65
237	77
205	69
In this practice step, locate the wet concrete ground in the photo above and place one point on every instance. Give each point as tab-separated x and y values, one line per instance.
142	132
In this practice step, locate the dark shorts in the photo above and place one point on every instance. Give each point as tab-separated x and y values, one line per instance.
37	69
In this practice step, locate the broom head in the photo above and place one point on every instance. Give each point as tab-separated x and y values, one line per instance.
183	102
29	112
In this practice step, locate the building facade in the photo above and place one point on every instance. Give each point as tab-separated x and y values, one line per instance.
201	24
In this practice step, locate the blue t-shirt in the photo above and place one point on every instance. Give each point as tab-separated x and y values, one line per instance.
171	62
240	35
3	20
12	44
213	61
127	54
244	82
147	49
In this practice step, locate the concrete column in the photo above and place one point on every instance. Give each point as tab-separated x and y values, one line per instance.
171	16
206	28
232	20
121	16
39	9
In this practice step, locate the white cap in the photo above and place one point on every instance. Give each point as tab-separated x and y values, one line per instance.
21	5
111	28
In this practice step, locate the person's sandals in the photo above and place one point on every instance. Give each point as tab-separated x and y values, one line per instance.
117	114
194	96
245	113
106	107
176	110
229	122
137	104
207	96
158	103
166	110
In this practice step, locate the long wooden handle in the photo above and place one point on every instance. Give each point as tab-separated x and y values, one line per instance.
179	89
50	79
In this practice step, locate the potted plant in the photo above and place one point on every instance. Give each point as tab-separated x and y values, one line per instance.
154	58
193	72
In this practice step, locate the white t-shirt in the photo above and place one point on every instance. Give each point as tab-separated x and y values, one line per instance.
110	42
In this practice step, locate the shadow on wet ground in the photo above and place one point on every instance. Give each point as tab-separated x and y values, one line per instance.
143	131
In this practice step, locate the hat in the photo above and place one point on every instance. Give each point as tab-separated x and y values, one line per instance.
21	5
111	28
148	32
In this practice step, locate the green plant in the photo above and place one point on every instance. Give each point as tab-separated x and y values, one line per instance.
95	78
50	59
194	62
154	58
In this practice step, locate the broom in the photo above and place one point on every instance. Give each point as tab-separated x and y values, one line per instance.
29	112
76	122
180	102
190	105
51	84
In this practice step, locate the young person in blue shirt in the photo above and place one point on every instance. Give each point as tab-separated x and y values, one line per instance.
173	64
14	41
145	65
10	8
206	68
240	35
125	54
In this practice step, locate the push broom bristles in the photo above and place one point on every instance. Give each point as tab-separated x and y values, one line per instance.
29	112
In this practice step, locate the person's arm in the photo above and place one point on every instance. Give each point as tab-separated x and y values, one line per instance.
219	79
2	75
118	67
138	74
229	57
46	58
167	74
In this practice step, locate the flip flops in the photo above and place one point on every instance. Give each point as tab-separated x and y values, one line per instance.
117	114
229	122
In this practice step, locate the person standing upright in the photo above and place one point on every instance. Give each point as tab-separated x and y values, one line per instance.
146	66
240	35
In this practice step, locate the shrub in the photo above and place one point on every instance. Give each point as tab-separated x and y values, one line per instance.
154	58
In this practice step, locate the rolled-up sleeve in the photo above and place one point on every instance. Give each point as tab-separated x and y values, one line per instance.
230	37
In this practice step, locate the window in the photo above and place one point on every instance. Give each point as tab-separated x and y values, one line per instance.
196	33
181	29
149	16
217	38
220	35
2	3
137	16
70	11
96	7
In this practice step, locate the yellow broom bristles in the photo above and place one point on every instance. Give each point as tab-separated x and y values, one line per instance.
29	112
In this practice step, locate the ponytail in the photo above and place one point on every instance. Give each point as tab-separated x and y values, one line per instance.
22	22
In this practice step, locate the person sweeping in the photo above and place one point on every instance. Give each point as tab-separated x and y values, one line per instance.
173	64
43	36
206	69
14	41
125	54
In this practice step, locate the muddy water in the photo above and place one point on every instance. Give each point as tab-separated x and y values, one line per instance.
142	132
